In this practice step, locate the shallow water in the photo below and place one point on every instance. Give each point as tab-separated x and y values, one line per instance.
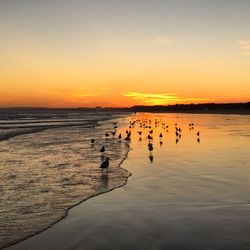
44	174
192	195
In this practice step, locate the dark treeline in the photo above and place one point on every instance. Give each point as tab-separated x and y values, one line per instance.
241	108
193	108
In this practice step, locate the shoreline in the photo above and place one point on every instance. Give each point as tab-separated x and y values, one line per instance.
206	108
68	209
36	129
122	176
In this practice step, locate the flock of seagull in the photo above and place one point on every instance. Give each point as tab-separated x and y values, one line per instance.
143	124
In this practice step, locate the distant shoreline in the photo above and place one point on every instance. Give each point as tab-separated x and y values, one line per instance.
203	108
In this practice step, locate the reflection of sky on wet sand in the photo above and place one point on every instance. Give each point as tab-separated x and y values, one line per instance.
220	135
213	163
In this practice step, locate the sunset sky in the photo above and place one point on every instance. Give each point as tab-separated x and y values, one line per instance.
71	53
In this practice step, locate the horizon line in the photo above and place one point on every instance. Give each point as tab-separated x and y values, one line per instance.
128	107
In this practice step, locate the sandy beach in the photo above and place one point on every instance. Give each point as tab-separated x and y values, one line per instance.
191	196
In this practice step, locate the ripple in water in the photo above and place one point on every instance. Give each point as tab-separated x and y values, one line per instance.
44	174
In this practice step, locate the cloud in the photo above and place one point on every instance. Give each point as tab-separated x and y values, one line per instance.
163	41
193	38
160	99
149	95
245	46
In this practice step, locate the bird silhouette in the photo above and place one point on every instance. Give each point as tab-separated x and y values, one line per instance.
150	137
150	147
102	150
105	164
151	158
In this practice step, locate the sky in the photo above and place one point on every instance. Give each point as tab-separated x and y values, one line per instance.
120	53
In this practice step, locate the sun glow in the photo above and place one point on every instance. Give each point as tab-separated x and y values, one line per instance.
79	53
161	99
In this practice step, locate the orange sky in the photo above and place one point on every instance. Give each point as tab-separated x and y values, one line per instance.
123	54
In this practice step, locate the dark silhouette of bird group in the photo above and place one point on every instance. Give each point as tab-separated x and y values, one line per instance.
144	124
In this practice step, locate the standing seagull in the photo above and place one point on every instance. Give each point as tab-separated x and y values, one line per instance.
150	147
102	150
105	164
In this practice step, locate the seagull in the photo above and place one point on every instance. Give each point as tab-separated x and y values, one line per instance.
150	147
105	164
120	136
160	135
198	133
150	137
127	138
92	141
107	134
102	150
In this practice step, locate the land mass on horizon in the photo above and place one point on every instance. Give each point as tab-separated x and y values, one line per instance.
240	108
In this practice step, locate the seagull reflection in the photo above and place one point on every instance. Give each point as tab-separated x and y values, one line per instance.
161	142
104	180
198	140
177	140
102	157
151	158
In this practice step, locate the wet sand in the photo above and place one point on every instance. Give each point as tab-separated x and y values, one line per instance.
44	174
192	196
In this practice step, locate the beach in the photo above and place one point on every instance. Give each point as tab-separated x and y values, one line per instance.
186	194
48	165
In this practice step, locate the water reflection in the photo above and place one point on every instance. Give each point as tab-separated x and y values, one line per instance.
151	157
105	180
102	157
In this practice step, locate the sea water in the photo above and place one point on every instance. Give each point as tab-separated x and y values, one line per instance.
48	164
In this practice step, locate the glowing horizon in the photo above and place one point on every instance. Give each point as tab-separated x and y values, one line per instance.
115	53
